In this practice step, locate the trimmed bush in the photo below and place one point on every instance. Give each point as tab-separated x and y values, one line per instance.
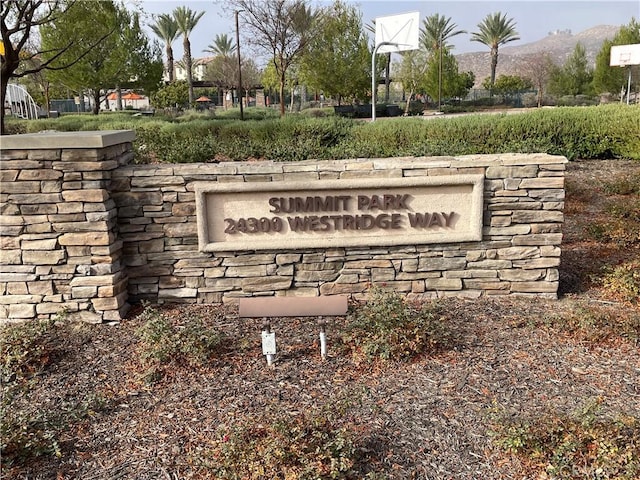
585	444
164	342
312	445
606	131
390	328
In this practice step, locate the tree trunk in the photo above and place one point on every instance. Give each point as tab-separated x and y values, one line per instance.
4	81
387	80
282	82
408	104
170	62
293	89
539	97
10	63
96	102
47	98
494	66
187	60
119	98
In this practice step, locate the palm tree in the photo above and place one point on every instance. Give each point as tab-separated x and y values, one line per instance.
187	19
495	30
222	45
167	29
436	29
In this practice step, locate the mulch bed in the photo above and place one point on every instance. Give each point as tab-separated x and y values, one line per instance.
430	418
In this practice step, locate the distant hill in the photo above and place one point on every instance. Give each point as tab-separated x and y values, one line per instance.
558	45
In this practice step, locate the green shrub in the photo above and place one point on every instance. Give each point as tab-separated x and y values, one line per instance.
311	445
317	112
577	101
621	225
578	446
13	126
390	328
250	113
596	323
28	431
163	342
195	115
623	281
415	108
628	184
605	131
25	349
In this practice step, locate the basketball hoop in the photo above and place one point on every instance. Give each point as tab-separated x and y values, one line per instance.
625	56
395	33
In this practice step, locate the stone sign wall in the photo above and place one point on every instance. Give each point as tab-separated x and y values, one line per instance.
85	231
335	213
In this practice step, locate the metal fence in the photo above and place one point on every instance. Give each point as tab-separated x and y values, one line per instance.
20	104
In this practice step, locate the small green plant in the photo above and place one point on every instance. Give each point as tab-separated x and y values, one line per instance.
163	342
621	225
305	446
597	323
25	349
582	445
388	327
628	184
623	281
28	431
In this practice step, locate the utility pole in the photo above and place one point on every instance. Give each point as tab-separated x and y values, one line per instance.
440	75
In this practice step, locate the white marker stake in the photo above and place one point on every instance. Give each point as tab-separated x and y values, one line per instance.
268	344
323	344
323	340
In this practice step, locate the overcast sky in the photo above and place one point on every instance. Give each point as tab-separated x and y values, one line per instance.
534	19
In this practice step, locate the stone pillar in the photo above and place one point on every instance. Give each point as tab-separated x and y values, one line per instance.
58	226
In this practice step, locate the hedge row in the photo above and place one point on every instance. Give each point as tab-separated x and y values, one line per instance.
607	131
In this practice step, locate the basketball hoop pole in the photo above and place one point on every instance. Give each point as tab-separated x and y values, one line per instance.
628	83
374	83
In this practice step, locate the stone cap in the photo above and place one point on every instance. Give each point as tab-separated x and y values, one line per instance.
53	140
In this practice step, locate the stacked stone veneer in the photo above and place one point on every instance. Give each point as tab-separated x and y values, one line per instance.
58	226
82	230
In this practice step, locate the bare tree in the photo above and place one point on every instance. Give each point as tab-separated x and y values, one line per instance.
280	28
537	67
19	22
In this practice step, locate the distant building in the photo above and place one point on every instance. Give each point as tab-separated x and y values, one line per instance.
566	31
198	71
130	100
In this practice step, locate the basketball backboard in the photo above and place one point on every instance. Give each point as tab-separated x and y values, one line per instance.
623	55
397	33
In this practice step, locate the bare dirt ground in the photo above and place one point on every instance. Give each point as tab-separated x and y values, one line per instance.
430	418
